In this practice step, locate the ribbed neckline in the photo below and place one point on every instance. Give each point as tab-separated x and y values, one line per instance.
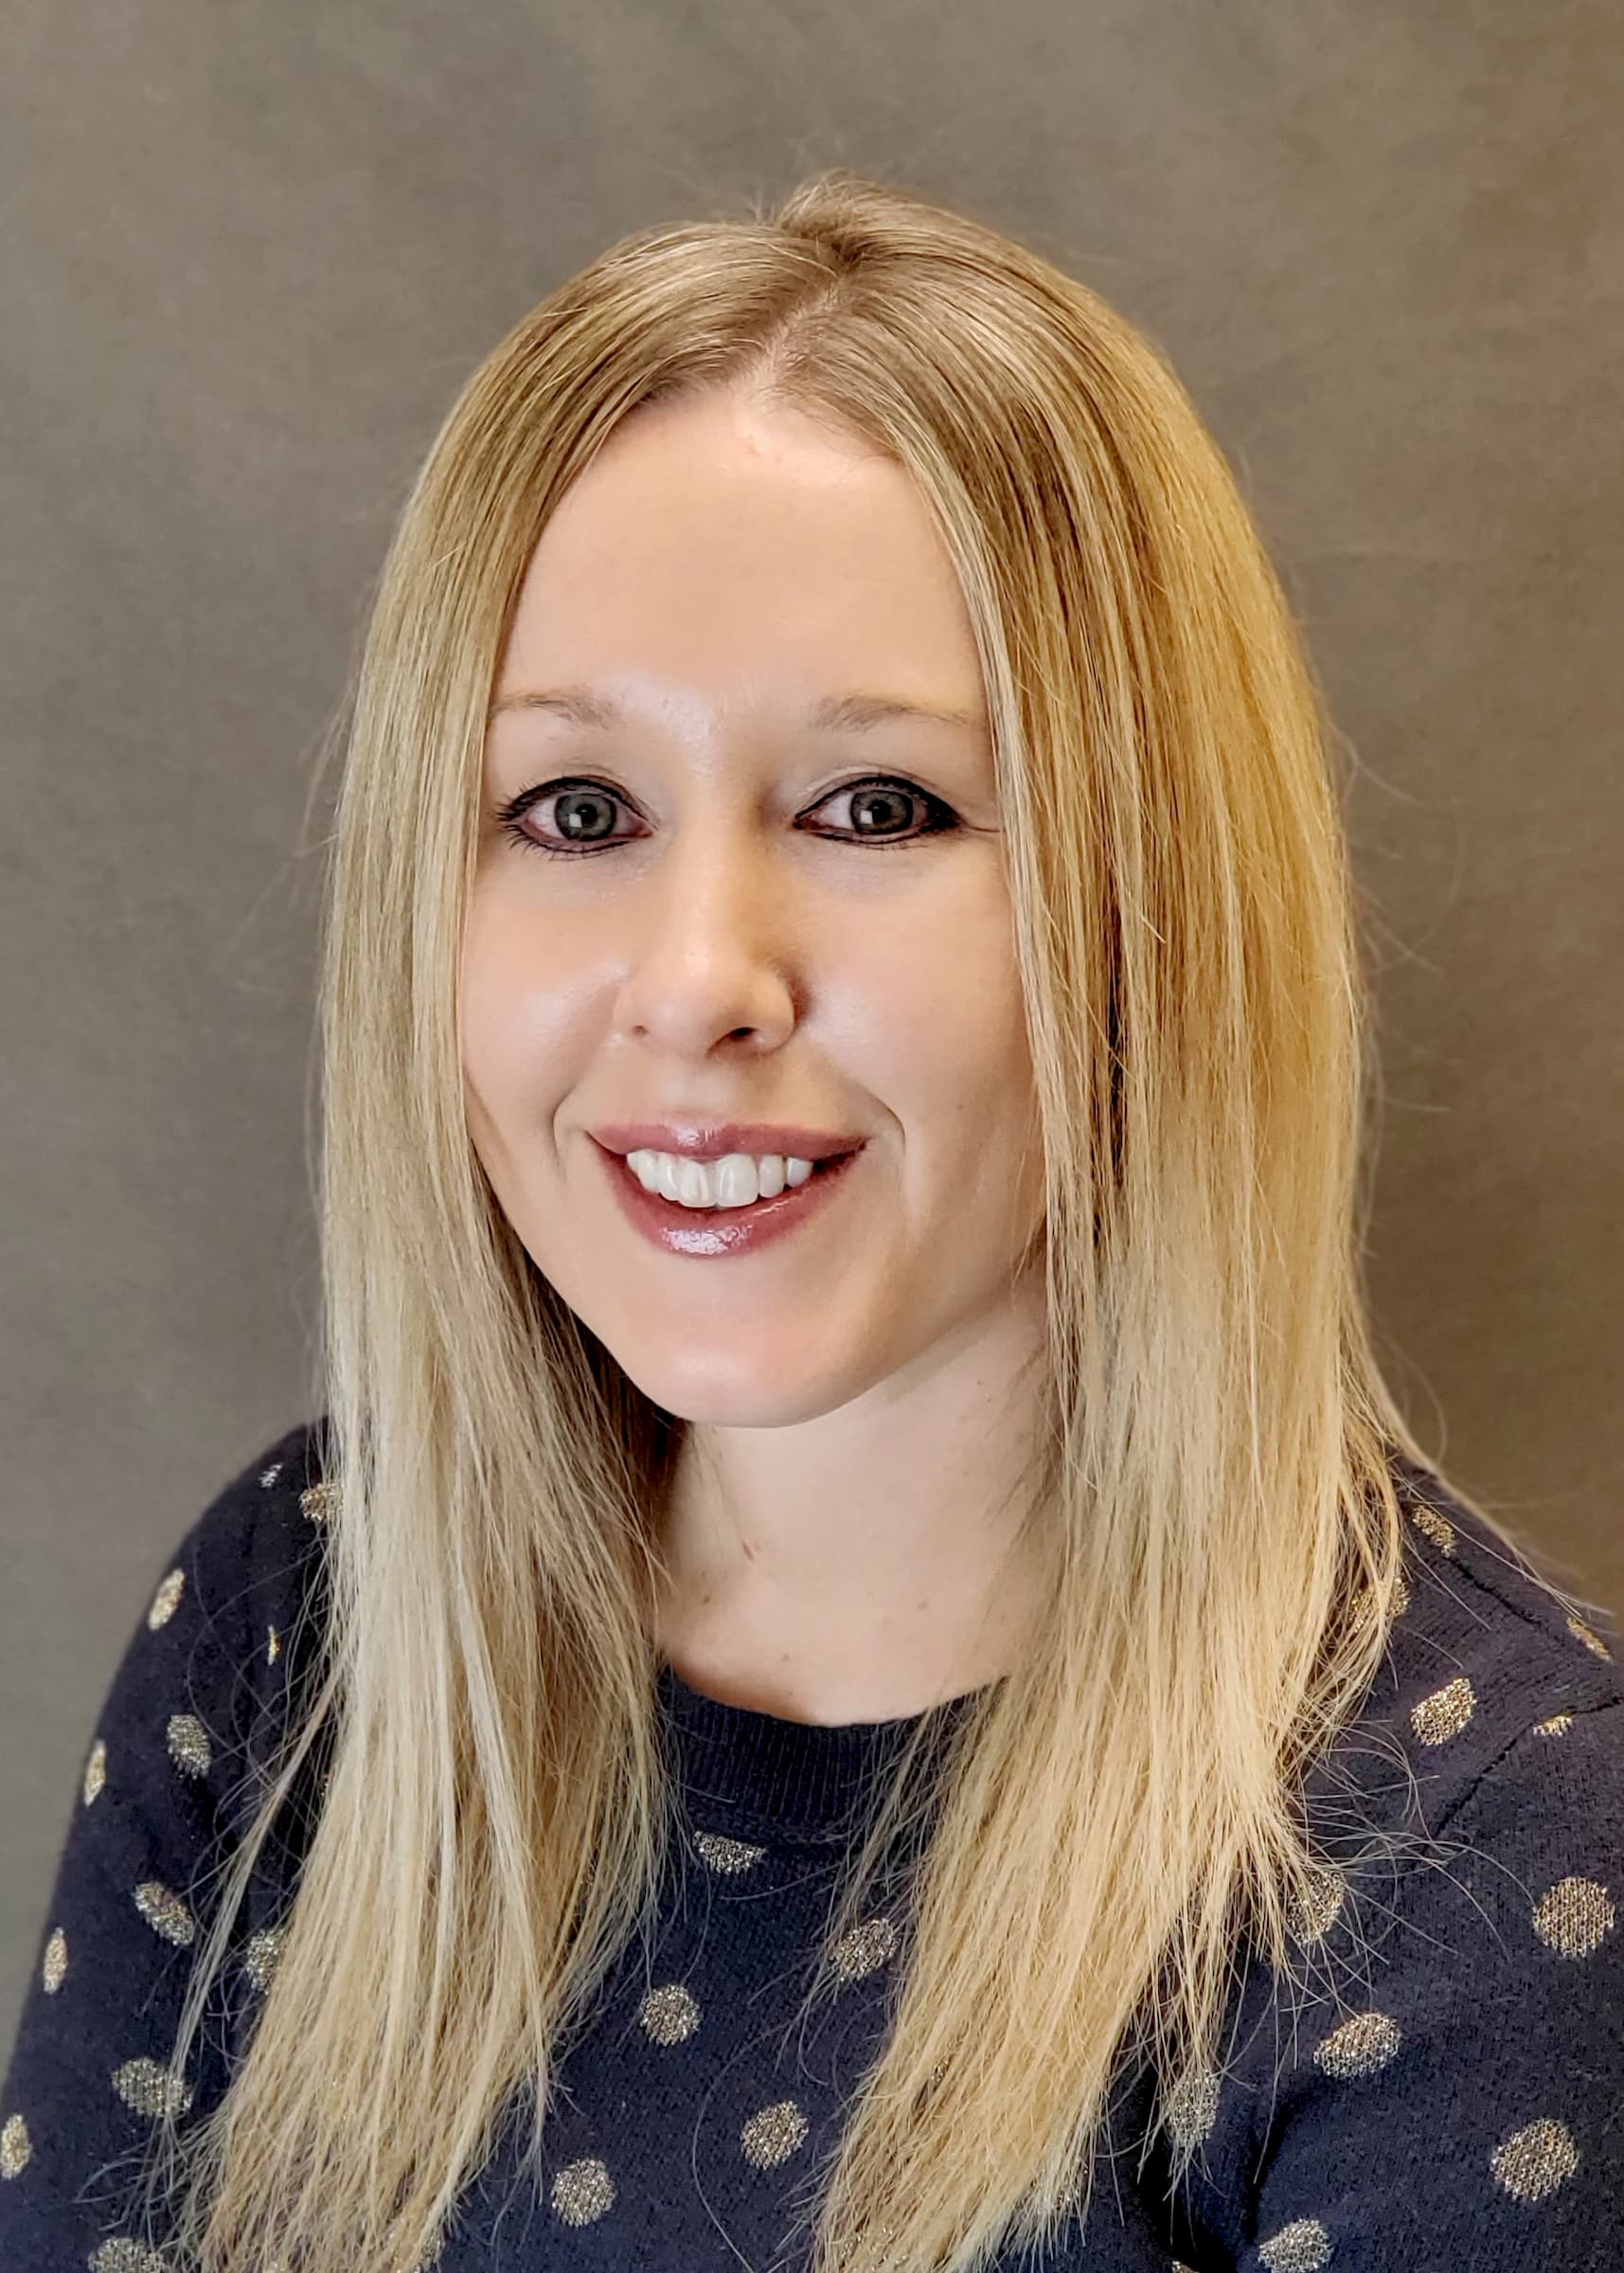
793	1779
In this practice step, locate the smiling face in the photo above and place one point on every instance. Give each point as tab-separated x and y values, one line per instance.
793	911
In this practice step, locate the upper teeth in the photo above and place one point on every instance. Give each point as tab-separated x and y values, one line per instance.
733	1181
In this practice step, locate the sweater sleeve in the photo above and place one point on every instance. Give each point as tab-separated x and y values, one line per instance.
1466	2114
151	1825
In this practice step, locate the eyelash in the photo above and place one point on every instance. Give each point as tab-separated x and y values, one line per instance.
942	817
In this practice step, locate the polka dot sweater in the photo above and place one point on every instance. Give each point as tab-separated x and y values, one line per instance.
1437	2088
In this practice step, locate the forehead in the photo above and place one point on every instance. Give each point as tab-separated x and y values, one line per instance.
734	554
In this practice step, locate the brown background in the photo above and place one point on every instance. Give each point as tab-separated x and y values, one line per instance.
250	252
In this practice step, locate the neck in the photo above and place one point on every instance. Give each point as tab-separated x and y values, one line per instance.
869	1562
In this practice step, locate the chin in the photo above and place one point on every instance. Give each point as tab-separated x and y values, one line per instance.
716	1390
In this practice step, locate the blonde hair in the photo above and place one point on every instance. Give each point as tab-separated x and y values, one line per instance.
1212	1488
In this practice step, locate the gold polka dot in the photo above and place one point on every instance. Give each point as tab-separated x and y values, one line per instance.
188	1743
1192	2107
15	2146
167	1600
863	1950
320	1503
151	2089
1363	1613
1360	2047
1445	1714
1574	1917
1533	2162
1434	1527
668	2015
1559	1725
726	1856
263	1954
165	1912
121	2255
55	1962
273	1647
94	1770
873	2255
1592	1641
1316	1907
583	2191
1302	2247
773	2134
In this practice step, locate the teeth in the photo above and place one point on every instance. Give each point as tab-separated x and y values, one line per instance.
733	1181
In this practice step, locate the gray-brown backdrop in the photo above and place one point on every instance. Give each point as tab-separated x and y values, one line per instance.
251	250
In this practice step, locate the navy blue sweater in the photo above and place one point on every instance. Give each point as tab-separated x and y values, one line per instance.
1451	2101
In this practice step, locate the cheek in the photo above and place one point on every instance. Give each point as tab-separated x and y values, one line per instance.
517	1014
931	1018
484	998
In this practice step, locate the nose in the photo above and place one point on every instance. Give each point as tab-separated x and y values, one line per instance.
710	951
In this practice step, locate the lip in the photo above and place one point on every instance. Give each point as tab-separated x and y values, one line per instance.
712	1139
716	1232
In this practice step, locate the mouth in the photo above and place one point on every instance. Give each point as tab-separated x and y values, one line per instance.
718	1230
694	1137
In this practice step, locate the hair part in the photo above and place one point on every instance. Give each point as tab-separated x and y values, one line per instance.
1211	1487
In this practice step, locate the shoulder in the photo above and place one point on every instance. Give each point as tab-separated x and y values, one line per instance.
1488	1764
1438	2080
1481	1593
1494	1678
233	1625
190	1719
257	1554
257	1546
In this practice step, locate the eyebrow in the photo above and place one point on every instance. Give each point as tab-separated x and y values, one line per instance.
840	713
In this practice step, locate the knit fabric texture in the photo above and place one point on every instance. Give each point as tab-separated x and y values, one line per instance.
1439	2088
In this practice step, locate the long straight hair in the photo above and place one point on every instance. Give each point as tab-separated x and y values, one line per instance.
1211	1487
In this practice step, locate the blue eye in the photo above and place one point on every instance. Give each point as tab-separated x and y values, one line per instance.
596	796
593	803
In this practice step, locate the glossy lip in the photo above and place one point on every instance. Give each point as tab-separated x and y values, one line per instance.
721	1231
713	1139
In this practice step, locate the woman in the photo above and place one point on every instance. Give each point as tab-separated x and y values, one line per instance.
860	1668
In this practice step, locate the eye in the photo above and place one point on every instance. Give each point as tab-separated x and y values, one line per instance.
583	814
879	796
